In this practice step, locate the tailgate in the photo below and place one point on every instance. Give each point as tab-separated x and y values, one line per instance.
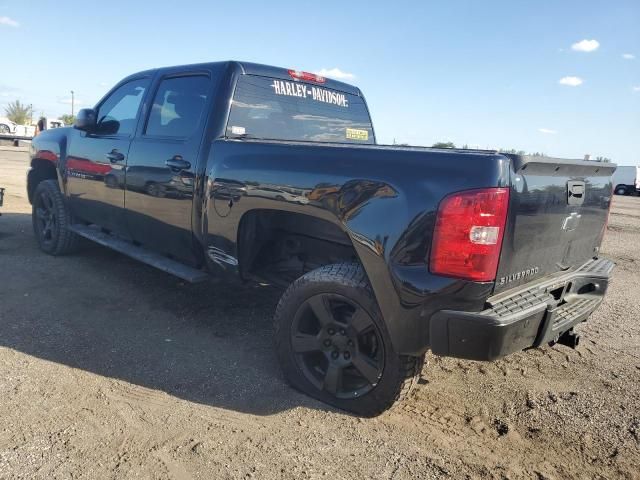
558	210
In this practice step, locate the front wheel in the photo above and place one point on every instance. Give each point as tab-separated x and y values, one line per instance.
333	344
51	219
621	191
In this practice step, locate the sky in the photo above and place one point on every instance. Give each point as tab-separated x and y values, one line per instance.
555	76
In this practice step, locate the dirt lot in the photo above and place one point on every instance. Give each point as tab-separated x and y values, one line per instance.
111	369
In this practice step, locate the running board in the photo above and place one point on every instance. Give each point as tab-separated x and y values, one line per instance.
141	254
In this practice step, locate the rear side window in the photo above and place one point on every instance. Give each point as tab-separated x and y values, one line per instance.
178	106
274	109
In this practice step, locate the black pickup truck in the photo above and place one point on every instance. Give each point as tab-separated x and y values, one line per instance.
257	173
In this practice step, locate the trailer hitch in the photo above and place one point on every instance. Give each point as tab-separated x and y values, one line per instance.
569	338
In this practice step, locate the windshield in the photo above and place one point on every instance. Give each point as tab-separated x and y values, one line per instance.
270	108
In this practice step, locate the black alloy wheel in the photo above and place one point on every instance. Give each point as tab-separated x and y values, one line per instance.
337	345
46	218
333	343
51	219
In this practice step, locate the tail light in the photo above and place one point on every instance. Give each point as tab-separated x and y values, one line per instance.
468	234
306	76
606	220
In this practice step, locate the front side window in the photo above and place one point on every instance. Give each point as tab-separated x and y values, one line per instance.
117	114
178	106
275	109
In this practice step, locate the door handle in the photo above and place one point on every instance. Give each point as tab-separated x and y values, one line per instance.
177	163
114	156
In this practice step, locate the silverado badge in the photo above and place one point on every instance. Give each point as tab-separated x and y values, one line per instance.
513	277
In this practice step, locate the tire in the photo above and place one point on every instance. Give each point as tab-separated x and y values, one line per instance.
4	129
621	191
333	345
111	181
155	190
51	219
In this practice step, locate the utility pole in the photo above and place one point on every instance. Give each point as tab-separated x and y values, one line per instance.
31	114
72	105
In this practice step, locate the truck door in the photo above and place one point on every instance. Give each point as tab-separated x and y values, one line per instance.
161	165
95	161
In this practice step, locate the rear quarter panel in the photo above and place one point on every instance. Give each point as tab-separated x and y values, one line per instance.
384	198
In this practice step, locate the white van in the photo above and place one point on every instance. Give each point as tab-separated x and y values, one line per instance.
626	180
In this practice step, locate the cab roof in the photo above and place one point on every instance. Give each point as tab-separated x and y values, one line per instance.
283	73
249	68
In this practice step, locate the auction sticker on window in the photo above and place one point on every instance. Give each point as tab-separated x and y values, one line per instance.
357	134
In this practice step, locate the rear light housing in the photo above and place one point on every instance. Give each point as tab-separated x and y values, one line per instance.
606	220
468	234
306	76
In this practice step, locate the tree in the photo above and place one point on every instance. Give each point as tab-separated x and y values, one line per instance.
443	145
68	119
18	112
603	159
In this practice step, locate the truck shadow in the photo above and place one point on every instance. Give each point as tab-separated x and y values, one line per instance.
104	313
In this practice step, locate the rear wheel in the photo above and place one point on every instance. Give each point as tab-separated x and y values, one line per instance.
333	345
5	129
51	219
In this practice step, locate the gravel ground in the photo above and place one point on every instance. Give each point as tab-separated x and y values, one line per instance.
112	369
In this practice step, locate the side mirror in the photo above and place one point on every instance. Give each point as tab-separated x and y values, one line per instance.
86	120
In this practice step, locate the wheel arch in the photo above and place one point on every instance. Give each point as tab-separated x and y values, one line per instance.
621	186
265	235
344	244
48	156
41	169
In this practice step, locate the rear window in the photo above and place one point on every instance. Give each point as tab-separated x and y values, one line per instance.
274	109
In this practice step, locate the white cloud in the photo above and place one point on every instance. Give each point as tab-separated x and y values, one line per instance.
585	46
547	131
335	73
636	89
571	81
9	22
628	56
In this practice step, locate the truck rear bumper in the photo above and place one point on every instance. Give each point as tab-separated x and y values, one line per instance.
527	317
